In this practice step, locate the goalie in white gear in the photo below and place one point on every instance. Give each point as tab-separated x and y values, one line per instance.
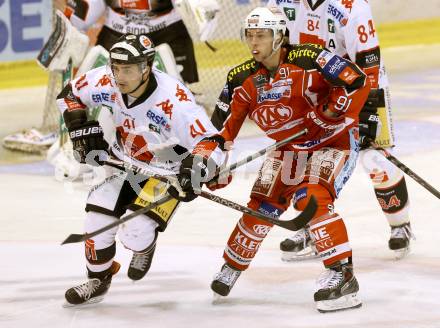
347	28
160	128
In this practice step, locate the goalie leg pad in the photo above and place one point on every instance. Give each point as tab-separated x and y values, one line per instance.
65	43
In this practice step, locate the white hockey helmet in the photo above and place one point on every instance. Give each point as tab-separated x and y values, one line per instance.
265	18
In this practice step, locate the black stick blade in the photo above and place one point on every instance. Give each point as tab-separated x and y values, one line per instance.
74	238
303	218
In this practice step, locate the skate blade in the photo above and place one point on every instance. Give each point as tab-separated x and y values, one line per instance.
401	253
93	300
346	302
304	255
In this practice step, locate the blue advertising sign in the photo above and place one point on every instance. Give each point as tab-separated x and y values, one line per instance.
24	27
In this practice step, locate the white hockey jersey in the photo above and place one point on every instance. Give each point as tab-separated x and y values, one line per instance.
345	27
124	16
153	131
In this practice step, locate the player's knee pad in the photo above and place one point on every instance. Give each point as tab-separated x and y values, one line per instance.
323	198
138	233
248	235
101	249
95	221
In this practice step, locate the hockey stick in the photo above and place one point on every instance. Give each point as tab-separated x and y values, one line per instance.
260	153
76	238
294	224
407	170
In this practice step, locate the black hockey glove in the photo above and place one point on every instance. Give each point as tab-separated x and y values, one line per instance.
193	173
88	142
369	122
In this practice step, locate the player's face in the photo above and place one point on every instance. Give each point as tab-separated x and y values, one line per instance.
127	77
259	41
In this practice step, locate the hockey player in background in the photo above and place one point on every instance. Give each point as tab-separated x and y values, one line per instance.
284	90
158	127
347	28
156	18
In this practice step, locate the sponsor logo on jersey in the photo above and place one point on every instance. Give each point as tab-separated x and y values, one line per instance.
336	67
223	106
270	116
153	128
261	229
159	120
146	43
348	75
372	59
337	14
310	143
181	94
331	25
240	68
290	13
100	97
324	57
273	94
300	194
294	54
167	107
103	81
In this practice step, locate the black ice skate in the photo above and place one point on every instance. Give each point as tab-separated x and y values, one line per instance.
92	291
298	247
140	264
225	280
400	240
338	289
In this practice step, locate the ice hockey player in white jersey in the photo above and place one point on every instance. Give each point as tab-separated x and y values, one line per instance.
346	27
158	127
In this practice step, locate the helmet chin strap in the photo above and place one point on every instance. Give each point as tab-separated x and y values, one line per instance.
139	85
274	50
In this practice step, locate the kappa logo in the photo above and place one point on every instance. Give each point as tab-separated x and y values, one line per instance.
103	81
167	107
181	94
271	116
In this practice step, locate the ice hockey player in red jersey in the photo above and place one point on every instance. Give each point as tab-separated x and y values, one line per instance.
284	90
346	27
158	127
